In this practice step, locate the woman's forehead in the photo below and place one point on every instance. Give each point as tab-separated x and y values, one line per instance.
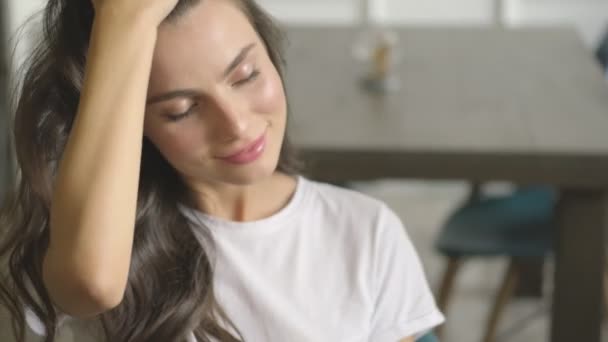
210	34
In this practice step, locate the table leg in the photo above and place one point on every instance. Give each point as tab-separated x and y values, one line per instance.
579	253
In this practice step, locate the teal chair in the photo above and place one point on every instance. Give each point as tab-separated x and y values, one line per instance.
516	226
430	337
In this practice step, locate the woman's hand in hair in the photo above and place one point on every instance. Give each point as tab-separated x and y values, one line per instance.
154	10
94	203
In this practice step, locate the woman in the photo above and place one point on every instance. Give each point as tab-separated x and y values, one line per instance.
202	230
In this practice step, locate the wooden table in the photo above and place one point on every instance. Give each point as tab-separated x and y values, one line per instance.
528	106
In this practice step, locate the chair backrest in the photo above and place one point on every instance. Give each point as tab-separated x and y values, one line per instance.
602	51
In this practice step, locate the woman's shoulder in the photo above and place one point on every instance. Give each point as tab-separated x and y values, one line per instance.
341	194
346	202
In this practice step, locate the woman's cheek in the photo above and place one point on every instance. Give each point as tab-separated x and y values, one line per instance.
270	97
180	147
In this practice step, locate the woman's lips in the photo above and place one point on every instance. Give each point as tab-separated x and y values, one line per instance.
249	153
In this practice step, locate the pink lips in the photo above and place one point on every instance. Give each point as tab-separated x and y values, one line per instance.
249	153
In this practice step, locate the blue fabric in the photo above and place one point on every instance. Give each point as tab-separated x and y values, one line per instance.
602	52
428	338
518	225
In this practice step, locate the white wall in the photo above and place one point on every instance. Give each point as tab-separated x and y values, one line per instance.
409	11
448	12
21	11
589	16
18	12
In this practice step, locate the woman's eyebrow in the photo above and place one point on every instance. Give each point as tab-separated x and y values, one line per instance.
171	95
238	59
193	92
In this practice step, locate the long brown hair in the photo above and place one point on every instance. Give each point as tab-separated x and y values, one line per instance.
169	291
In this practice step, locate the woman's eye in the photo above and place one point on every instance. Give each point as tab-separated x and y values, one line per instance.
254	74
178	117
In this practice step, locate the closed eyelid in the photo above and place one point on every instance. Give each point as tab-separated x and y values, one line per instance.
179	104
238	60
177	115
243	72
247	67
175	106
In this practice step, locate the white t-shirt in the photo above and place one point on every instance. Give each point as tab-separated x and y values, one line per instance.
332	265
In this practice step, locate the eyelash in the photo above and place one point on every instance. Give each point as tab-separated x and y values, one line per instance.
176	117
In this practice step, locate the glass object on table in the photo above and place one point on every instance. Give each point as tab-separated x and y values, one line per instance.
378	51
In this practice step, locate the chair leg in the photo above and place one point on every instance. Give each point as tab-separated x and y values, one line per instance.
605	293
502	298
446	287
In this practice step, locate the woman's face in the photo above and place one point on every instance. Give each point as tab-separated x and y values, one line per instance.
216	106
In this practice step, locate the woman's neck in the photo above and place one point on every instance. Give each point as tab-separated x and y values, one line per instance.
247	203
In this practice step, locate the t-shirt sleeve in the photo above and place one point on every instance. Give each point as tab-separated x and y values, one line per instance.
404	303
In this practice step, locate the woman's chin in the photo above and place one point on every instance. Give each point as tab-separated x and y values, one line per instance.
247	174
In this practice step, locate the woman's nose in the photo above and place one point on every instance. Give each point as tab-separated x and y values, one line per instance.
232	119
